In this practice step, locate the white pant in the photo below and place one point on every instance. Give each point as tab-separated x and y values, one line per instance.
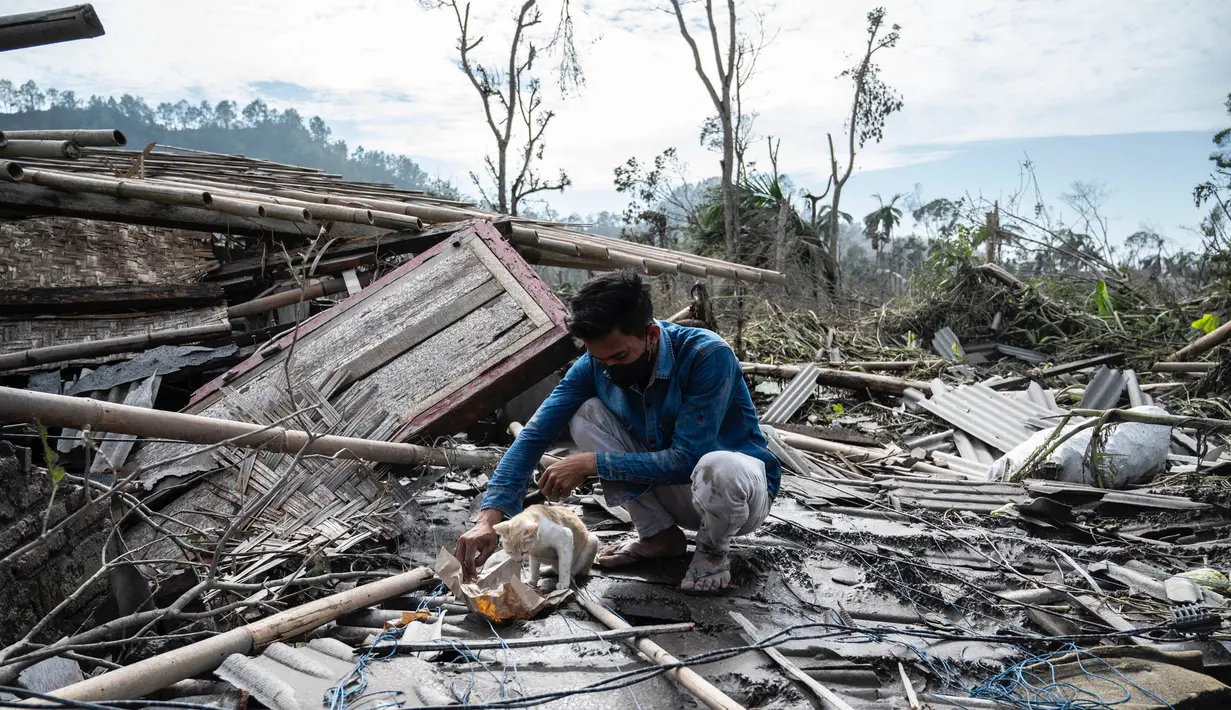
728	495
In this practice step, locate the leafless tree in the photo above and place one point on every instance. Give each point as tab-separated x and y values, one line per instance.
512	100
872	103
721	87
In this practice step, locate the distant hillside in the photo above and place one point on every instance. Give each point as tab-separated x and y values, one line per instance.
256	131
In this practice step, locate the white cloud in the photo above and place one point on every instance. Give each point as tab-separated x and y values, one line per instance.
969	71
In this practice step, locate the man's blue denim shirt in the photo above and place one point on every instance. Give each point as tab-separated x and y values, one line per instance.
697	402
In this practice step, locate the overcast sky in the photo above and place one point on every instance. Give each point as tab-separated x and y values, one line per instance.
1125	92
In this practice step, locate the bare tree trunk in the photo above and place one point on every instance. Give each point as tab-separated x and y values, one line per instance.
730	195
784	210
833	275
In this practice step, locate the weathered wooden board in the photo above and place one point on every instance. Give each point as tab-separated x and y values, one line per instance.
435	344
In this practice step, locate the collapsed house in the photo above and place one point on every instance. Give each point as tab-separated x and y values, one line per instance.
934	544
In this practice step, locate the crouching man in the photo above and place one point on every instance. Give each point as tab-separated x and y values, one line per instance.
666	423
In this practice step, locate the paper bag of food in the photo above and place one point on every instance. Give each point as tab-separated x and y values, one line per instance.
499	595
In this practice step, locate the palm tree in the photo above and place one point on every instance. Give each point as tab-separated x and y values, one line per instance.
880	223
825	215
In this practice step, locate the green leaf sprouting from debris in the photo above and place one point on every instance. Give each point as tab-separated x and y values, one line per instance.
1207	323
837	409
54	468
1102	300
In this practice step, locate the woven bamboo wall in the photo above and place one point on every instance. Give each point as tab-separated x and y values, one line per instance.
16	335
64	251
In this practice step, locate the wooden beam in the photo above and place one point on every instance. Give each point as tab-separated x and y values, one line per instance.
107	299
33	29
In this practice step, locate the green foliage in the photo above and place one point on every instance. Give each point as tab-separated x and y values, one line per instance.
256	130
54	469
1102	300
950	257
1207	323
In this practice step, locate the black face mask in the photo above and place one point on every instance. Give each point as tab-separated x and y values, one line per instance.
632	374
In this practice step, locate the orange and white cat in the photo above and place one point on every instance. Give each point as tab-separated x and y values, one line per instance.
551	535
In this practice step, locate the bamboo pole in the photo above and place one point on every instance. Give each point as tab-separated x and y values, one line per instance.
844	379
1196	367
83	138
33	29
286	298
540	641
111	346
39	149
1210	340
786	372
319	209
257	210
10	171
153	674
701	688
27	198
81	412
825	695
856	454
135	189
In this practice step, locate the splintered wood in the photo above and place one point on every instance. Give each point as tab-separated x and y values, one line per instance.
436	343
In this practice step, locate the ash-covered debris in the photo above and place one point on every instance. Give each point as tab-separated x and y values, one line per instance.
988	492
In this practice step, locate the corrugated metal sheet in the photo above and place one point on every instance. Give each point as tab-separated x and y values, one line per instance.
947	345
997	420
1033	357
287	678
1044	398
1136	397
801	388
1104	389
1145	500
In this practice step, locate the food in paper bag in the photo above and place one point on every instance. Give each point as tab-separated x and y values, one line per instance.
499	595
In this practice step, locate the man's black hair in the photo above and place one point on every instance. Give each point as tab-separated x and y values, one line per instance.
617	299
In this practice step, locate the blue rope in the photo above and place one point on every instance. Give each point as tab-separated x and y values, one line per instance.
352	687
1019	687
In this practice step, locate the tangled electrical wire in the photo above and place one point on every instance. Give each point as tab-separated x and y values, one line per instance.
629	678
1016	686
1032	684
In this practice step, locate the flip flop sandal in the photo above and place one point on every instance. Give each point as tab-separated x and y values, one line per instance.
624	550
716	592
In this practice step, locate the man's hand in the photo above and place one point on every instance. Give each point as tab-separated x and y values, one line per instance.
478	543
563	476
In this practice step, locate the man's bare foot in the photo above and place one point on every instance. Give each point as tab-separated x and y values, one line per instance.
707	574
668	543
